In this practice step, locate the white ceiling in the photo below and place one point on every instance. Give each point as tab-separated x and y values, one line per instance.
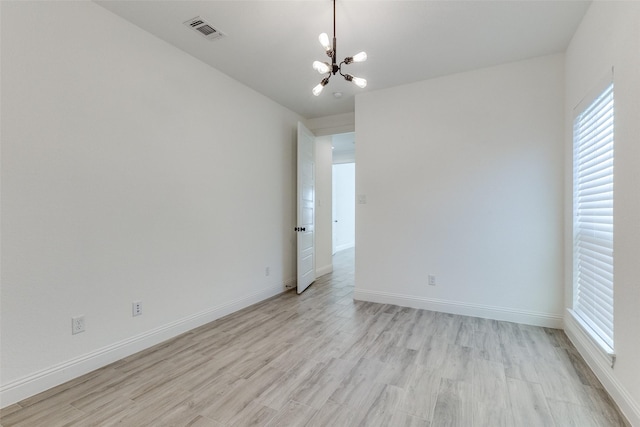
270	45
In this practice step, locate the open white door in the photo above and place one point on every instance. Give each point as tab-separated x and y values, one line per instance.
306	208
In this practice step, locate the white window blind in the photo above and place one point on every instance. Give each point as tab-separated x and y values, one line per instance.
593	216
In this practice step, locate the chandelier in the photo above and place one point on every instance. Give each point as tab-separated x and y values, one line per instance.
334	68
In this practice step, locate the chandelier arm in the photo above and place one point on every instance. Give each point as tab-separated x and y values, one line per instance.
340	68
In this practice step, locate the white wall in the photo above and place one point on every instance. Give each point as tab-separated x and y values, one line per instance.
331	125
609	36
344	184
344	157
462	177
324	204
130	171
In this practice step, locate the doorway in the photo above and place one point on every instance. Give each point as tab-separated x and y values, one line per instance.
343	206
343	191
333	150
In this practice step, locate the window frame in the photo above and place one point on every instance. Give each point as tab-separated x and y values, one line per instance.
599	328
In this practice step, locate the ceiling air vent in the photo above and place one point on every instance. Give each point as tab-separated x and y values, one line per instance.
204	28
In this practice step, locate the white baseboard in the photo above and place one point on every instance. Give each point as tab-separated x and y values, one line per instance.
601	367
45	379
548	320
345	246
324	270
291	283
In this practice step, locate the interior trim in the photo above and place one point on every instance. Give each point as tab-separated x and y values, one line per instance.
45	379
548	320
601	367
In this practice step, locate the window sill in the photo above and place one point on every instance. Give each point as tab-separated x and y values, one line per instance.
603	350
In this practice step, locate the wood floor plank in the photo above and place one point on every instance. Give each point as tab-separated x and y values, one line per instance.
421	394
380	405
153	407
200	421
490	396
538	343
454	405
35	411
323	359
488	346
560	382
8	410
335	415
283	389
571	415
215	391
69	388
511	334
446	327
558	338
254	414
323	383
458	364
528	404
359	346
293	414
54	417
604	408
465	336
241	396
98	414
518	363
252	362
354	392
433	353
401	419
582	371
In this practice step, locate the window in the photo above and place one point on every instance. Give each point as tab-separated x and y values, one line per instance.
593	218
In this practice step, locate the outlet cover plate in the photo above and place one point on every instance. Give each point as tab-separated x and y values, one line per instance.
136	308
77	324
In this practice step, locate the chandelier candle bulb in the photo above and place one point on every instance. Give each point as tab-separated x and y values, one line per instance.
324	41
360	57
360	82
316	90
321	67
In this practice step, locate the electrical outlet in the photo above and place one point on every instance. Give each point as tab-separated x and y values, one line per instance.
267	271
432	280
136	308
77	324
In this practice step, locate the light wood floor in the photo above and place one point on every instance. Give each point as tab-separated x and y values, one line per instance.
321	359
